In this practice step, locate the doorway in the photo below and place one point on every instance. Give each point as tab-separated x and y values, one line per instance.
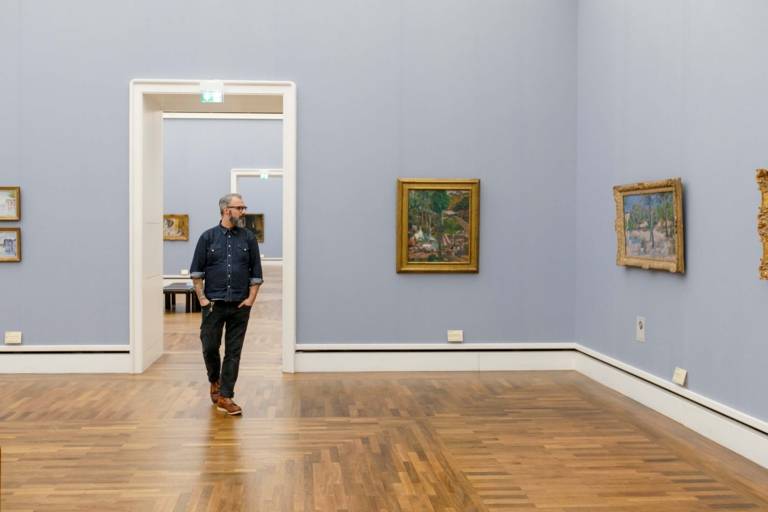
149	101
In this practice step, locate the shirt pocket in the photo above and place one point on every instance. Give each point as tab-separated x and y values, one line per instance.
243	252
217	252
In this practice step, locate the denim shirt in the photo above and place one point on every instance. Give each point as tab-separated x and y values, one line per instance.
229	262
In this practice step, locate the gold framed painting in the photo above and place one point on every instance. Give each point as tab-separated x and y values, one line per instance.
10	203
649	225
254	222
10	245
762	220
175	226
438	222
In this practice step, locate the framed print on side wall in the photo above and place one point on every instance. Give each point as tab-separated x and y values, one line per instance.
762	220
10	245
649	225
10	203
438	225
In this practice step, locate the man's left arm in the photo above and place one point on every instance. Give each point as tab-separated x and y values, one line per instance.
255	276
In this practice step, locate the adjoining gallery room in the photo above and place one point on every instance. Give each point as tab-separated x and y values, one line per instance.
439	256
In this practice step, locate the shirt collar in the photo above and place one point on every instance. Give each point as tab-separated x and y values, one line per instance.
225	230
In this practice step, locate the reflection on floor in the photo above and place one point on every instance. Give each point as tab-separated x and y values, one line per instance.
449	442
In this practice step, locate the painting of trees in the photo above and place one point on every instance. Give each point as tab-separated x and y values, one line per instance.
438	224
649	225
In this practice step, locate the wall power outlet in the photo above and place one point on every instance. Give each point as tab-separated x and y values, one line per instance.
455	336
640	329
13	337
679	376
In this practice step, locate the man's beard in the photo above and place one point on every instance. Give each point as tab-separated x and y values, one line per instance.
238	222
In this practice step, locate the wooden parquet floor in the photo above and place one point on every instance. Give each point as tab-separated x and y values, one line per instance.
448	442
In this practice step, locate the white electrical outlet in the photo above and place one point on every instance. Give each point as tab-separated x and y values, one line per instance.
456	336
679	376
185	271
13	337
640	329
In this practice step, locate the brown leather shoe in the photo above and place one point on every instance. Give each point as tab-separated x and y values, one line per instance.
215	386
228	406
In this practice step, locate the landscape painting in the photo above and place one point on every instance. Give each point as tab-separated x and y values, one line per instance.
438	225
649	225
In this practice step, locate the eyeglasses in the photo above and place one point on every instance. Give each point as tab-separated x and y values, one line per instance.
241	208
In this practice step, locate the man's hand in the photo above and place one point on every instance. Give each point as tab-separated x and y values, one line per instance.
247	303
204	301
251	298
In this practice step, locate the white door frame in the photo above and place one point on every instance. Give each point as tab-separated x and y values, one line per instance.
145	209
237	173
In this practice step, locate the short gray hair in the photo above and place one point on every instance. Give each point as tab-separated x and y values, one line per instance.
225	200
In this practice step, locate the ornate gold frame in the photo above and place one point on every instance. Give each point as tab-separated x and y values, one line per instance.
183	224
674	185
762	220
18	204
404	185
18	246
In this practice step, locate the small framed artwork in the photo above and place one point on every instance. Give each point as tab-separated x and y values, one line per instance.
649	225
10	244
175	226
10	203
254	222
762	220
438	222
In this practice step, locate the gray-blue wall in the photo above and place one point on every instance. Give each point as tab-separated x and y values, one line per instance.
198	157
434	88
677	88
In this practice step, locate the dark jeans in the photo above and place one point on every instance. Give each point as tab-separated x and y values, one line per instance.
215	316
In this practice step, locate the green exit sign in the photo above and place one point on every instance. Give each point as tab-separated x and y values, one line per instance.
211	91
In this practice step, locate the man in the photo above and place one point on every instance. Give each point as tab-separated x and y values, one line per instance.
226	272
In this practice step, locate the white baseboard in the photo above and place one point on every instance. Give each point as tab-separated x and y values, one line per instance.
737	431
727	431
66	363
65	348
431	361
392	347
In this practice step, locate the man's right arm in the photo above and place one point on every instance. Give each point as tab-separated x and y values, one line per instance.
197	269
200	291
